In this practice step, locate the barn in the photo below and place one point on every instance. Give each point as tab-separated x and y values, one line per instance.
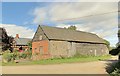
52	42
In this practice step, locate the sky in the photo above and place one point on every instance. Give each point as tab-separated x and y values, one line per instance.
23	18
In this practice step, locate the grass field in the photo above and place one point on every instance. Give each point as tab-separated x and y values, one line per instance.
59	61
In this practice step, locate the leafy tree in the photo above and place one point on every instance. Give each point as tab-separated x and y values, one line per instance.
29	44
119	30
115	68
8	40
117	44
72	28
107	43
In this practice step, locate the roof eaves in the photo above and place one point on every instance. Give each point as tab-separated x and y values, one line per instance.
43	31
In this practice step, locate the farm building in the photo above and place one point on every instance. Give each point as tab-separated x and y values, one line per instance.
20	43
50	42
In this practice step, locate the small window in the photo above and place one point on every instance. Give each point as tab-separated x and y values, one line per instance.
40	37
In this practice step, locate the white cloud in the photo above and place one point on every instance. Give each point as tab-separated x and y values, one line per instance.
104	25
12	30
40	15
61	11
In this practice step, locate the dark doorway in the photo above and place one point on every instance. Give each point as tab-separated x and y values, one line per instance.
20	48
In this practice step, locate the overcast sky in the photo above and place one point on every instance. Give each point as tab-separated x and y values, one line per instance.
24	18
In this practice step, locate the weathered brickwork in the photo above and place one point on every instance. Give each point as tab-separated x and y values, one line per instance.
40	49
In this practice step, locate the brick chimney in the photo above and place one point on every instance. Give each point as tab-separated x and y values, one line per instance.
17	36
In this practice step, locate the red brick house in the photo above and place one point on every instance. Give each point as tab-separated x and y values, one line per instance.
20	43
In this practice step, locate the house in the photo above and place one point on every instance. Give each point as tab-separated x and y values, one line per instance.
51	42
4	40
20	43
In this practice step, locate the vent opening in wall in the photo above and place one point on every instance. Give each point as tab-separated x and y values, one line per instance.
40	37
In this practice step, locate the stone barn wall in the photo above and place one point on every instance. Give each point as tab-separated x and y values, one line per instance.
69	49
91	49
58	48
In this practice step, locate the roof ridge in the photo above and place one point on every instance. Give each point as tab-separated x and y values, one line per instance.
66	29
51	32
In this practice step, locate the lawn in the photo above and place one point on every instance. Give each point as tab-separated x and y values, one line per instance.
59	61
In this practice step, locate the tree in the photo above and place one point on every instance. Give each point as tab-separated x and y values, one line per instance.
107	43
119	34
72	27
29	44
117	44
10	42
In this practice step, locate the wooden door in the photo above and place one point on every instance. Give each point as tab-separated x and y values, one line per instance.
41	50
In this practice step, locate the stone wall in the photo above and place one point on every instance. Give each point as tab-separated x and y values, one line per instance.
91	49
58	48
69	49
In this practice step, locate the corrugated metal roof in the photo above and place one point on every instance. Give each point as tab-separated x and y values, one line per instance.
70	35
21	41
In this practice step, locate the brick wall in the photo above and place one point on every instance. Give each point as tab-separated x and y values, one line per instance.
40	49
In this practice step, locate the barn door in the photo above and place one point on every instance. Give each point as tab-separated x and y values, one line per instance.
71	49
41	50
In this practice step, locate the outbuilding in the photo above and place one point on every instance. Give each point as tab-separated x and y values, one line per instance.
52	42
20	43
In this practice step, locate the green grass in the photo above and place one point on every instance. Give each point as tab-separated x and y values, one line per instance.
59	61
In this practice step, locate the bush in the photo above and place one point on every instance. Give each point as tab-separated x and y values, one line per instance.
26	54
23	55
29	54
114	52
16	55
116	72
115	69
7	56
